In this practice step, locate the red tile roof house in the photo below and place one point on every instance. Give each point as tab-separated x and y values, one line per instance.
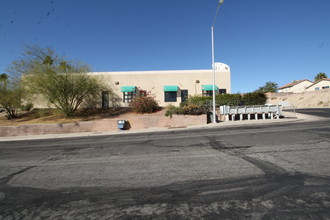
296	86
320	84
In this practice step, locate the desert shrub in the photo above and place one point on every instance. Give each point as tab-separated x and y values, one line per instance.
192	109
200	101
144	104
10	101
205	102
63	83
187	109
228	99
172	110
39	113
254	98
27	107
196	105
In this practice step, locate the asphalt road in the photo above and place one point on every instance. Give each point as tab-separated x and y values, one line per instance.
250	172
320	112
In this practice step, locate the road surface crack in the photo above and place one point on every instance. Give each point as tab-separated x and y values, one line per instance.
5	180
221	145
269	169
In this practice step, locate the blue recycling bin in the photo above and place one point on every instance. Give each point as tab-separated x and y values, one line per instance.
121	124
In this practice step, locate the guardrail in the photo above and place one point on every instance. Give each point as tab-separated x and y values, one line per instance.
272	111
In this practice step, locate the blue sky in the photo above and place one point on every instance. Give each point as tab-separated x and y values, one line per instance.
261	40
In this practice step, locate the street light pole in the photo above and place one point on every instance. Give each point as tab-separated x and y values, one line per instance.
213	66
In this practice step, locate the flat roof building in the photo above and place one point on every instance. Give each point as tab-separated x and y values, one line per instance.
168	87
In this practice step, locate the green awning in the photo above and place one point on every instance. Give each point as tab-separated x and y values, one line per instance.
209	87
128	88
171	88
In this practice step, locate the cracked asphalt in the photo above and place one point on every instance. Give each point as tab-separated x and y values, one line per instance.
266	171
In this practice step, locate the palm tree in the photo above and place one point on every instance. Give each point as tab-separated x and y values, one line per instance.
320	76
4	78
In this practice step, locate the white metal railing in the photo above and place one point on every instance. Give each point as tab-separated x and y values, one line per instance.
271	111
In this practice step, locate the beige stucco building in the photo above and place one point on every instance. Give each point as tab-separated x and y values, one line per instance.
168	87
320	84
296	86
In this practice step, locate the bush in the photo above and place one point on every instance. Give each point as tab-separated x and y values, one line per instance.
196	105
192	109
228	99
144	104
27	107
200	101
254	98
39	113
186	109
171	110
10	101
205	102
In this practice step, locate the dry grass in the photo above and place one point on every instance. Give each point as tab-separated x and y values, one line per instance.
49	116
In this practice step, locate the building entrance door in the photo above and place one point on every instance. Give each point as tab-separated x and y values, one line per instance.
105	99
184	95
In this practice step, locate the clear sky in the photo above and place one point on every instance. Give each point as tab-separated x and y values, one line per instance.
261	40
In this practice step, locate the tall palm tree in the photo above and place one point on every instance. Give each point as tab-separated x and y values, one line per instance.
4	78
320	76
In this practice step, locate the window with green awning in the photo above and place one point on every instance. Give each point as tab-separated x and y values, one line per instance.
129	93
128	88
171	88
170	93
207	90
209	87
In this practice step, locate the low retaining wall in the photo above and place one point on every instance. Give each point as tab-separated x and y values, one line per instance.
135	122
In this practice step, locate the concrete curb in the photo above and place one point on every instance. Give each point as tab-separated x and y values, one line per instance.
289	118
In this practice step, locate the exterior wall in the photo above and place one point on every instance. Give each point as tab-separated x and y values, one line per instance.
284	90
154	82
319	85
300	87
39	102
136	122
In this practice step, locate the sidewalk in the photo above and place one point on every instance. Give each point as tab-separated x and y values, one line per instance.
289	118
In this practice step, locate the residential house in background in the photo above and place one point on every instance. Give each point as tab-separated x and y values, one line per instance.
296	86
320	84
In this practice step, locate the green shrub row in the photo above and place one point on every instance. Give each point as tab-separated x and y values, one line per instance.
196	105
254	98
190	109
